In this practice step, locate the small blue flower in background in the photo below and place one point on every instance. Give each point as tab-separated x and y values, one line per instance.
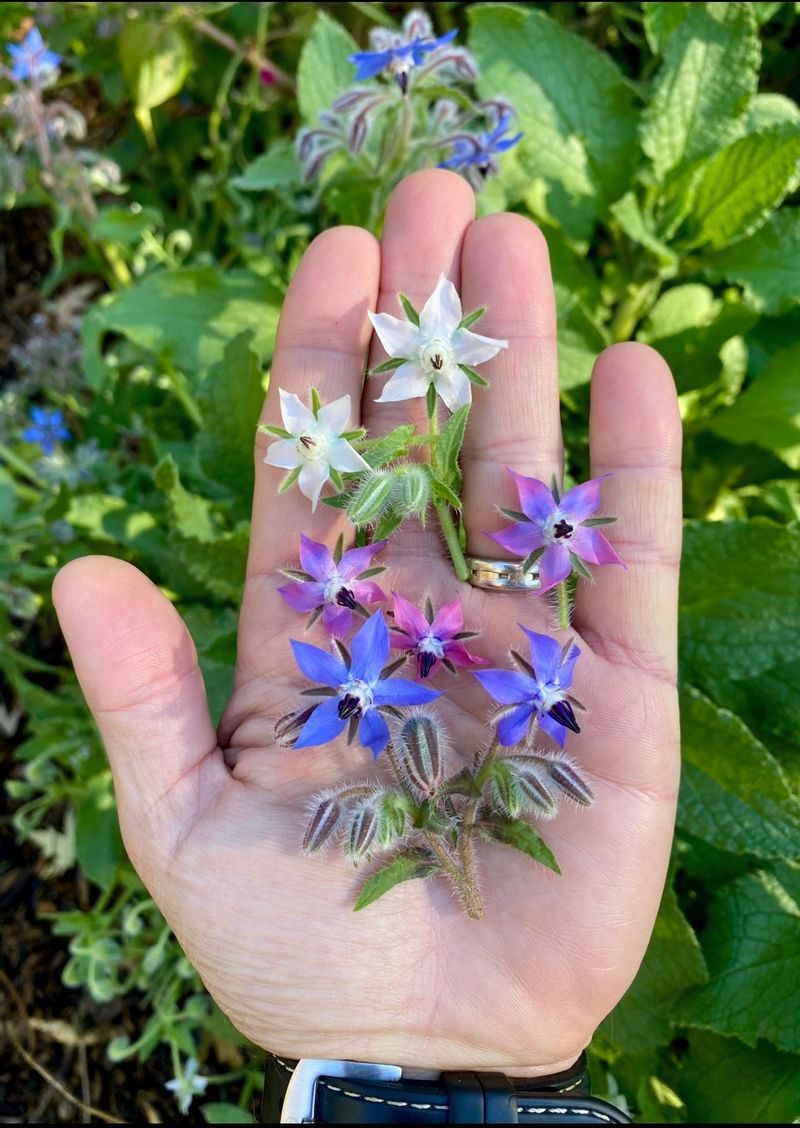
31	57
187	1085
47	428
360	689
476	153
399	52
538	694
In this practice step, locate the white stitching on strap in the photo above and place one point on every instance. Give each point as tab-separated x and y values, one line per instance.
380	1100
533	1110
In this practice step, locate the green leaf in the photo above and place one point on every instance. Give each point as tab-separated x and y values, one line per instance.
752	946
189	315
471	318
703	89
277	168
222	1112
230	400
405	867
522	836
155	59
323	72
743	183
387	448
443	491
575	109
473	376
124	225
661	20
724	1082
191	514
8	498
216	567
734	794
768	411
448	445
641	228
767	264
387	366
740	599
410	312
98	843
673	963
768	110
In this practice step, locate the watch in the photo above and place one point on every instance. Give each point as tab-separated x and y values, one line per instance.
314	1091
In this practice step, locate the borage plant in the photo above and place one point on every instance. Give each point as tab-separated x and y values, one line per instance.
438	803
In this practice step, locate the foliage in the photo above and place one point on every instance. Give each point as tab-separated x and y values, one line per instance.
660	156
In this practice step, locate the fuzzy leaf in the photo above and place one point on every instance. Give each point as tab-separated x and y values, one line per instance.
767	264
278	168
388	448
660	20
230	400
405	867
768	411
448	446
410	311
750	1086
387	366
443	491
323	72
522	836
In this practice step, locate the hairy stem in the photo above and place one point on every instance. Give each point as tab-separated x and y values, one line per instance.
450	534
563	605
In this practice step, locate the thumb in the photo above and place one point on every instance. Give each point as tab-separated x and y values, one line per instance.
137	666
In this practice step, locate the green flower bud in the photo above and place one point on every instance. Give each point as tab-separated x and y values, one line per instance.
412	490
372	498
419	753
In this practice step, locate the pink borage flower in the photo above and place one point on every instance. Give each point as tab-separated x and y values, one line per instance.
333	585
558	532
434	640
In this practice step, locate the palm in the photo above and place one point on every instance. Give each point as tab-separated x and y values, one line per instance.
411	979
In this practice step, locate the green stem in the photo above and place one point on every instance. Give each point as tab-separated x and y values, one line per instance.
450	534
468	891
563	605
21	466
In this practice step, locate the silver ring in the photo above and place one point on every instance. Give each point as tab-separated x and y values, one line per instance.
502	575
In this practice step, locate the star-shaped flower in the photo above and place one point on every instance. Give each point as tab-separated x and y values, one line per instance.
47	428
188	1085
333	587
313	444
536	692
435	349
398	53
433	639
476	153
31	57
361	688
558	531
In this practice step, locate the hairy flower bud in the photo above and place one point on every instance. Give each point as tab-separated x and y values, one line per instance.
566	778
412	490
364	828
323	823
534	793
419	752
392	817
504	789
371	499
287	729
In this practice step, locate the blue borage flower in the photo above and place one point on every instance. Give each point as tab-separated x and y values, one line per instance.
397	53
536	692
361	688
474	154
47	429
31	57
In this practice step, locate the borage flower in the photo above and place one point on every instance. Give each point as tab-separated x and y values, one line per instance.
475	154
333	585
31	57
47	428
397	53
537	692
313	444
557	531
432	639
433	348
361	687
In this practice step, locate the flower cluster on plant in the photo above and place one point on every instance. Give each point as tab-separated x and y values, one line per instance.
427	819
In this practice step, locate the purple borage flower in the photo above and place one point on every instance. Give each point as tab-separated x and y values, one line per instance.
558	532
333	588
536	692
432	639
397	53
31	57
477	152
361	688
47	429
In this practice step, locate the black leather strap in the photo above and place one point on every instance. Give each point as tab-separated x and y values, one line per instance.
455	1098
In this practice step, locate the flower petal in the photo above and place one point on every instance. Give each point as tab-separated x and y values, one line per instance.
507	686
302	596
370	649
343	457
407	382
409	619
368	64
323	725
593	546
472	348
357	560
283	453
457	653
454	387
367	591
582	501
441	313
553	729
448	621
535	499
296	416
514	727
554	566
316	559
334	416
401	691
545	656
568	667
318	665
519	538
373	732
313	477
337	620
398	336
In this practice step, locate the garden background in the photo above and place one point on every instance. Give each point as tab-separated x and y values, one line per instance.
146	243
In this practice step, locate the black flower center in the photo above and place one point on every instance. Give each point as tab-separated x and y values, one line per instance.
437	362
345	598
425	661
563	713
349	706
562	529
308	442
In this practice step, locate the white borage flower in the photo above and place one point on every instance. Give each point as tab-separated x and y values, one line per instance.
313	444
433	348
187	1085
